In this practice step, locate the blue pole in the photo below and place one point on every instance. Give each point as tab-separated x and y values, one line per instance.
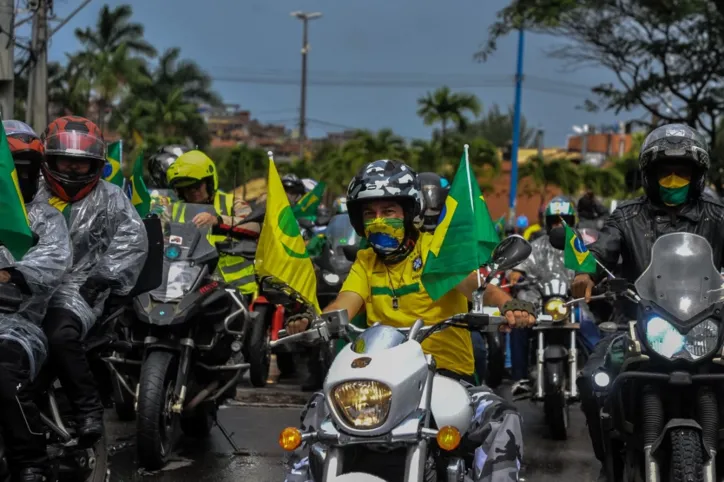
516	129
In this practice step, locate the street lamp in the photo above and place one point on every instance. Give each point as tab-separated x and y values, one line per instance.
305	17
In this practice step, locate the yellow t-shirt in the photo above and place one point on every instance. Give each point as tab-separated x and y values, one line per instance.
378	284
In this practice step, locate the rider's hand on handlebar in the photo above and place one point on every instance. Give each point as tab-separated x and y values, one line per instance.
205	219
582	286
297	324
518	313
4	276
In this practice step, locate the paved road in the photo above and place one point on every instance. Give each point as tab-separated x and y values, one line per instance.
256	429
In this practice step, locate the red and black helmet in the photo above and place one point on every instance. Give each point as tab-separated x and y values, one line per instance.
28	153
73	137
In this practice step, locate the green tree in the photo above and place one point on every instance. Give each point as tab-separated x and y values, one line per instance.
663	54
603	182
114	29
446	107
497	127
555	172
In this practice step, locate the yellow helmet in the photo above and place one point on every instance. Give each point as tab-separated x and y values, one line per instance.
190	168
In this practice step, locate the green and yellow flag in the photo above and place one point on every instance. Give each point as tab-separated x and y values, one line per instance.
465	237
576	255
307	206
281	251
15	233
136	188
112	171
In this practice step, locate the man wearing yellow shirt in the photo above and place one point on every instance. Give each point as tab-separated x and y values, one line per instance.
385	206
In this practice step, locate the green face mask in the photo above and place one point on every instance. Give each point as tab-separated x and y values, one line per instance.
673	190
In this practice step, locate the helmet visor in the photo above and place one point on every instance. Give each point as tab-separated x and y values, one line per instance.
75	144
432	195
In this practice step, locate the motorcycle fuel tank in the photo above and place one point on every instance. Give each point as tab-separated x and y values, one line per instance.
451	404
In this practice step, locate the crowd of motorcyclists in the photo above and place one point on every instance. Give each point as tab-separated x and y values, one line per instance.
91	246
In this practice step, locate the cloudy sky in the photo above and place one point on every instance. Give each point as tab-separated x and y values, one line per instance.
369	61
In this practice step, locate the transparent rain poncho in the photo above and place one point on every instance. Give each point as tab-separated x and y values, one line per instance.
109	244
43	268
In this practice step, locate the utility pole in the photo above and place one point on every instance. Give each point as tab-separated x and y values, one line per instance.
305	18
7	58
516	130
37	107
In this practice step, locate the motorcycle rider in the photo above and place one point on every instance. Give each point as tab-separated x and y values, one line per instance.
674	161
195	179
544	260
23	345
387	193
109	245
294	187
340	205
158	165
589	208
433	195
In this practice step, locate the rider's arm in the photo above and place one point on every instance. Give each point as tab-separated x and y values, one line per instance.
346	300
235	224
122	262
493	296
42	268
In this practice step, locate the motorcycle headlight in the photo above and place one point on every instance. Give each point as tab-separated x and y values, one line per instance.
666	340
331	278
556	308
364	404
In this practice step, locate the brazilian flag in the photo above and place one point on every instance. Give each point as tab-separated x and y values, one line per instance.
465	237
576	255
15	233
136	188
307	206
112	170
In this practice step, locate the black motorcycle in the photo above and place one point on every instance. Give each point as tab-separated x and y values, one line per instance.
187	343
67	459
663	375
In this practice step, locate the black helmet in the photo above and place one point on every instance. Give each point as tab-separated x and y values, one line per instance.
674	143
433	195
292	184
159	163
384	179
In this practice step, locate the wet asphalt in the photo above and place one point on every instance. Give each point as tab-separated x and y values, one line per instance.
257	418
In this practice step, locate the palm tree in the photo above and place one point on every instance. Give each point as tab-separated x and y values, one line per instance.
497	127
172	74
604	182
114	29
556	172
379	145
68	88
426	156
445	106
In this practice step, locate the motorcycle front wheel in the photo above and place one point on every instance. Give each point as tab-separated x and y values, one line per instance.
156	425
555	405
256	345
357	477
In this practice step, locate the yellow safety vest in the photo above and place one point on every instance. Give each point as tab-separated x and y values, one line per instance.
236	271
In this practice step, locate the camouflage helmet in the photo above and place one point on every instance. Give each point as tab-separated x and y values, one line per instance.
674	143
159	163
390	180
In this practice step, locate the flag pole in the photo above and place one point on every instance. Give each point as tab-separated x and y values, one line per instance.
472	201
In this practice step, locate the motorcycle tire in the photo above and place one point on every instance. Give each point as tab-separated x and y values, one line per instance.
200	421
100	472
256	346
357	477
286	363
123	402
156	426
687	456
555	406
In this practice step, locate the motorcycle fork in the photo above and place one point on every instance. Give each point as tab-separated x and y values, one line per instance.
572	366
540	360
182	375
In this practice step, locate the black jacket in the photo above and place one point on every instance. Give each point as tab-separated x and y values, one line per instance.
630	232
590	208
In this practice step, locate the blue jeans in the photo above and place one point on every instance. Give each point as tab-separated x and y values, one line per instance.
519	353
480	352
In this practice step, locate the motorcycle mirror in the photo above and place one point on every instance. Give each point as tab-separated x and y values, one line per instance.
350	252
608	327
510	252
557	237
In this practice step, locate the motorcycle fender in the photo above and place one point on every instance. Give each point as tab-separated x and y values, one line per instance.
555	352
451	404
162	345
675	423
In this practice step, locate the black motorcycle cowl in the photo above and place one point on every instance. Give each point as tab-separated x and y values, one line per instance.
555	352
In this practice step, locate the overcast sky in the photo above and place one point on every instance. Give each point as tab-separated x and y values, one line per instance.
369	61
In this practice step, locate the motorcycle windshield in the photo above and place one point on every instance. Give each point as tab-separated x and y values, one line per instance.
681	277
186	248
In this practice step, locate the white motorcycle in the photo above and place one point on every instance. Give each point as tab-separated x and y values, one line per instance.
383	408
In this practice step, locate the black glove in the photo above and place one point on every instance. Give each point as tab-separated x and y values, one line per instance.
299	317
91	289
518	305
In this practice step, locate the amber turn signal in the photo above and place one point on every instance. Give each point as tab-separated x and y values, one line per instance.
290	439
448	438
